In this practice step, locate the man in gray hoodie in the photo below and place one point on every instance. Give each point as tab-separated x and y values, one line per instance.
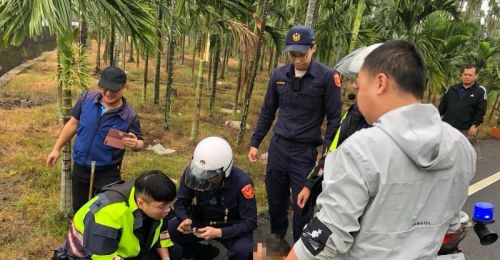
393	190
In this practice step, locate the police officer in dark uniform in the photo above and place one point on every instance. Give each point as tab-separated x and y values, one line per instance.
304	91
224	209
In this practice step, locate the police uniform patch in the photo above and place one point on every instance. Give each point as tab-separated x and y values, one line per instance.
315	236
280	82
247	191
336	79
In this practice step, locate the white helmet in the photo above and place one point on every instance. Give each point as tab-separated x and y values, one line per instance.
212	160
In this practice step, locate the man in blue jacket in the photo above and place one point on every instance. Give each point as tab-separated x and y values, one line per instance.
93	116
215	200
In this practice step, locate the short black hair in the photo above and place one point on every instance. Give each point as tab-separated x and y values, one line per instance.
156	185
401	61
470	66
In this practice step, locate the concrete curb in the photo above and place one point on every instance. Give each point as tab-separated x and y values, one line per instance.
8	76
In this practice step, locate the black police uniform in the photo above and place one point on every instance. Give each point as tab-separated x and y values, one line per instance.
462	108
232	207
303	103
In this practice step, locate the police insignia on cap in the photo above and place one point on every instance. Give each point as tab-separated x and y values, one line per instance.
296	37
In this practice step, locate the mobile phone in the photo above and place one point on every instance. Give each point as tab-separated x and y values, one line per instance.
126	135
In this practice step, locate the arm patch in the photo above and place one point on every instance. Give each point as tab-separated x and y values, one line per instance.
247	191
315	236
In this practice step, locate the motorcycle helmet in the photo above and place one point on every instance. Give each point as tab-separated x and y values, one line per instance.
212	161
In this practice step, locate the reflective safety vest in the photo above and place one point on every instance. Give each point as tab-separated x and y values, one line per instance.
106	226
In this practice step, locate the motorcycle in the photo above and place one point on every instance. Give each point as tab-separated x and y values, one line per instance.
482	216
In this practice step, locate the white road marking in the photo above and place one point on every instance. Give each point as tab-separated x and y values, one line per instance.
484	183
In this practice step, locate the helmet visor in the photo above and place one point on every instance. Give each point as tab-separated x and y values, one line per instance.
201	179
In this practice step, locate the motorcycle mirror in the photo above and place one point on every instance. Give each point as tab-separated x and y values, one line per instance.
486	237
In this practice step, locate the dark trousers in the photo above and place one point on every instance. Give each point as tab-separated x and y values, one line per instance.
287	167
239	247
81	180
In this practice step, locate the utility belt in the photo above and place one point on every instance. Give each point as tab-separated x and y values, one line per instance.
204	218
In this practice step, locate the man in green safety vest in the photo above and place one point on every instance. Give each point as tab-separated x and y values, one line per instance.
123	222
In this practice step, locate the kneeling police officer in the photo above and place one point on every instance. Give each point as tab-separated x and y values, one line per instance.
224	208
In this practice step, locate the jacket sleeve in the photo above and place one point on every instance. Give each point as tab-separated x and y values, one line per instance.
135	127
184	200
480	108
267	113
248	214
100	241
443	104
342	202
333	108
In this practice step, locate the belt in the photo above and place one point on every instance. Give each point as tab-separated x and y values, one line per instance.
285	141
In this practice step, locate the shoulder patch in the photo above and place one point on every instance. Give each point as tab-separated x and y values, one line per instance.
336	80
315	236
247	191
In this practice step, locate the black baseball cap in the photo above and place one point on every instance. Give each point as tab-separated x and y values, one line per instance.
112	78
299	38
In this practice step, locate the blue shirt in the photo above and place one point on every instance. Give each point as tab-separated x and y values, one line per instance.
302	107
93	128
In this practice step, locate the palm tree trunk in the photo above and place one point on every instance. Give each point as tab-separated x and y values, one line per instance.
98	52
261	63
356	24
105	55
270	61
238	87
131	54
66	199
156	87
137	61
248	95
183	47
216	55
145	80
311	8
204	49
111	48
124	49
195	48
170	69
83	33
224	62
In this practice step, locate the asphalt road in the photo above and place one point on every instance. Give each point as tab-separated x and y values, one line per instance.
488	163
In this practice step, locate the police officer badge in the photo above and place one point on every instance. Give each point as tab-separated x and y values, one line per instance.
296	37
